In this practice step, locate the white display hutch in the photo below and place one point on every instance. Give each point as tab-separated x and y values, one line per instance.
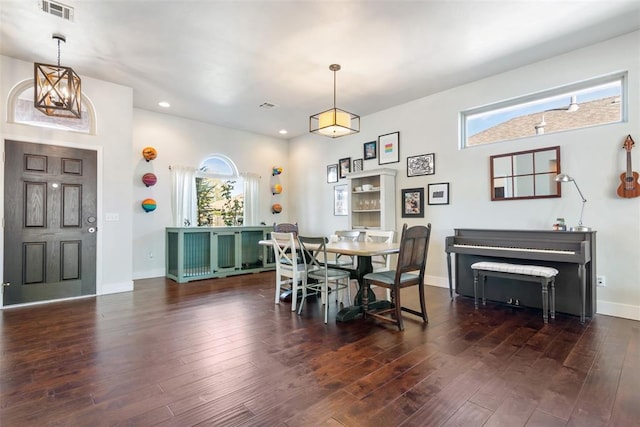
372	199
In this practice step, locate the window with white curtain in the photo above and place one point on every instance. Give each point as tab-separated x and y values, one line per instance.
220	192
214	194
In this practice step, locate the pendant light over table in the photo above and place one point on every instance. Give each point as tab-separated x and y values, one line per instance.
335	122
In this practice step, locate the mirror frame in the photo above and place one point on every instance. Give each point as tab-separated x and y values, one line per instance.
532	173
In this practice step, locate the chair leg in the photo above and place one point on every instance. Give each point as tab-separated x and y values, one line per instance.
304	295
278	288
423	306
395	293
325	293
294	293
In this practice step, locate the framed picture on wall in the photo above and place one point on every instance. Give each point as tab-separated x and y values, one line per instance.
389	148
413	203
439	193
357	165
424	164
340	200
370	150
345	166
332	173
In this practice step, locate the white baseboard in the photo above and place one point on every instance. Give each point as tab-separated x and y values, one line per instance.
440	282
626	311
149	274
114	288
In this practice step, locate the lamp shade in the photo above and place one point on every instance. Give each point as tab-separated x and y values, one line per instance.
334	122
563	178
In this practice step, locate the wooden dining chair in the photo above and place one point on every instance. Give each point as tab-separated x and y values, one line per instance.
409	271
319	275
288	265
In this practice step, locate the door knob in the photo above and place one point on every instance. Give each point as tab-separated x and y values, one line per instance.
92	229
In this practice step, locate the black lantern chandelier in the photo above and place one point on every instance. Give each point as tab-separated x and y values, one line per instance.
335	122
57	88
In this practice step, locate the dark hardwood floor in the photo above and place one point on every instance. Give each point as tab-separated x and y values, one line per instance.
218	352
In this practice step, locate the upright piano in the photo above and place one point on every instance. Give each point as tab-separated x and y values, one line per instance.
572	253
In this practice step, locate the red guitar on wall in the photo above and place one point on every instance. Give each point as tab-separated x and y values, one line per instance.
629	186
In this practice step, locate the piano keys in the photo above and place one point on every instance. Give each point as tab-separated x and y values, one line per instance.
572	253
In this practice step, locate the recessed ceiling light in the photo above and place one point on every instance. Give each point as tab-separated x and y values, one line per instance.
283	131
164	104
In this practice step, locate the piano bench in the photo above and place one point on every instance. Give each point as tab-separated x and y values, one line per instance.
546	276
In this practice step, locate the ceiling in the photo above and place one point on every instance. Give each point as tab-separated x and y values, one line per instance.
218	61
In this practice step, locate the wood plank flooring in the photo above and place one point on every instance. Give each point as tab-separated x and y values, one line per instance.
220	353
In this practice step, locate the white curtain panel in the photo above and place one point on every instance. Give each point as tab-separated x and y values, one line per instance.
183	196
251	198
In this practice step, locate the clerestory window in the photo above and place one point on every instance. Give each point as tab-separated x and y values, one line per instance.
594	102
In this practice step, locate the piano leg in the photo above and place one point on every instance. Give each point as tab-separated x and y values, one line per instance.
449	271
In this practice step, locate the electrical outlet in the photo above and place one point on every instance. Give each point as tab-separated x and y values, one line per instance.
601	281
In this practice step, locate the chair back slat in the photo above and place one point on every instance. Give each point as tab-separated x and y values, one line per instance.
285	227
414	246
380	262
284	248
314	251
353	235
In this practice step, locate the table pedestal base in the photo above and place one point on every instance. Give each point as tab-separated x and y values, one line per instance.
348	314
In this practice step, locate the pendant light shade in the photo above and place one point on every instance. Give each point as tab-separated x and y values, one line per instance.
57	89
335	122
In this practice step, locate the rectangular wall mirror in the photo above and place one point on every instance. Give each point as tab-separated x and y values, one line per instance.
525	174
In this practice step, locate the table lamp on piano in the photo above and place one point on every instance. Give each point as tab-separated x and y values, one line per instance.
566	178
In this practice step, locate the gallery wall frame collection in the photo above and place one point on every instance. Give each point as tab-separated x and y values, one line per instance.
387	150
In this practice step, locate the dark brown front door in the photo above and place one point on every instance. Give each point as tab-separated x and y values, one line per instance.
50	222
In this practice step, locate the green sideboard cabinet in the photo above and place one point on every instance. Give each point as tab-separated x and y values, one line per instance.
196	253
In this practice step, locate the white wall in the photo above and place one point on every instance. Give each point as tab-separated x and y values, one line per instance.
430	125
113	105
187	142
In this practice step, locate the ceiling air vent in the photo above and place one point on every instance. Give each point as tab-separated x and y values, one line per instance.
268	105
57	9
